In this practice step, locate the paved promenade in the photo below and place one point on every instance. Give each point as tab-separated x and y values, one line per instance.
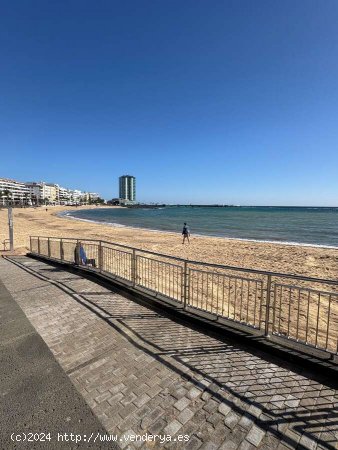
142	372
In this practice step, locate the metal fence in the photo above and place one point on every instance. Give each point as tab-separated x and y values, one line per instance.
292	307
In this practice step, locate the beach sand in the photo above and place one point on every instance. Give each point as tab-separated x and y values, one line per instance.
292	259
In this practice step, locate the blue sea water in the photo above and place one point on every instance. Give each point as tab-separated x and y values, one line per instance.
300	225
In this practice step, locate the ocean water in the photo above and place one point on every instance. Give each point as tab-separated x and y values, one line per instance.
311	226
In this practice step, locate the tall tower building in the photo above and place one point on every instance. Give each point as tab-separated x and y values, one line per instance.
127	184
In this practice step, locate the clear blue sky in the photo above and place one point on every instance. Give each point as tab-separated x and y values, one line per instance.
203	101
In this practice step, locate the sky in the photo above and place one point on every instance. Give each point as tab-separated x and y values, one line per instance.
232	102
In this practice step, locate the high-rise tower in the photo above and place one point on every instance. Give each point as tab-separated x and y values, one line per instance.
127	185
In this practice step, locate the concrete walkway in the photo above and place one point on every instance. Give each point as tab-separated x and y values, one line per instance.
142	372
37	400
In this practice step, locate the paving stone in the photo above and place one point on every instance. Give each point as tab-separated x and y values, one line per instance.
128	399
245	445
193	444
117	388
156	413
254	411
255	435
182	403
211	406
206	395
115	398
185	415
140	401
179	392
142	411
245	422
229	445
157	427
237	434
172	428
307	442
194	393
100	398
231	420
126	410
210	446
224	409
215	418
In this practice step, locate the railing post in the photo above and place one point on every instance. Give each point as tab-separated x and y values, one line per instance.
77	253
133	268
61	250
267	307
185	284
100	250
48	248
39	245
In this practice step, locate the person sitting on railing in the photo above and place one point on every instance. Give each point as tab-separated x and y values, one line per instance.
81	257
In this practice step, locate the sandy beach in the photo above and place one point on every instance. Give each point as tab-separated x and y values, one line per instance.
300	260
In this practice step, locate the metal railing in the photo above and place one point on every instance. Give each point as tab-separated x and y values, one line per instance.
293	307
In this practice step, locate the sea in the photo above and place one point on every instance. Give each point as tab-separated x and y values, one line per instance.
314	226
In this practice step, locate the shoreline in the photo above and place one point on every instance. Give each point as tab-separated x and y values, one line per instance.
317	262
64	215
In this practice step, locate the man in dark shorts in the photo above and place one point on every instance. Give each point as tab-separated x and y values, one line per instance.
186	233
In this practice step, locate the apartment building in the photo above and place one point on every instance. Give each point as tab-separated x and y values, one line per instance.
41	192
35	193
12	191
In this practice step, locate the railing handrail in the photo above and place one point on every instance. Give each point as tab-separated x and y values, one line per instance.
201	263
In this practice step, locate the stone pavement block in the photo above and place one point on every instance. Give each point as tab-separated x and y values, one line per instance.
254	411
246	422
142	400
229	445
237	434
124	411
307	442
193	444
151	417
185	416
128	399
172	428
255	435
215	418
211	406
231	420
210	446
114	399
224	409
245	445
157	427
194	393
115	389
179	392
182	403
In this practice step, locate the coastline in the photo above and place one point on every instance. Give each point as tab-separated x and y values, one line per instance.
154	230
278	257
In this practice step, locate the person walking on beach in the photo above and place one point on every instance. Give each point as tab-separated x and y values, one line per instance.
186	233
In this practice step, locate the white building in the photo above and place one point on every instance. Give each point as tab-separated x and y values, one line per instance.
13	192
43	192
34	193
